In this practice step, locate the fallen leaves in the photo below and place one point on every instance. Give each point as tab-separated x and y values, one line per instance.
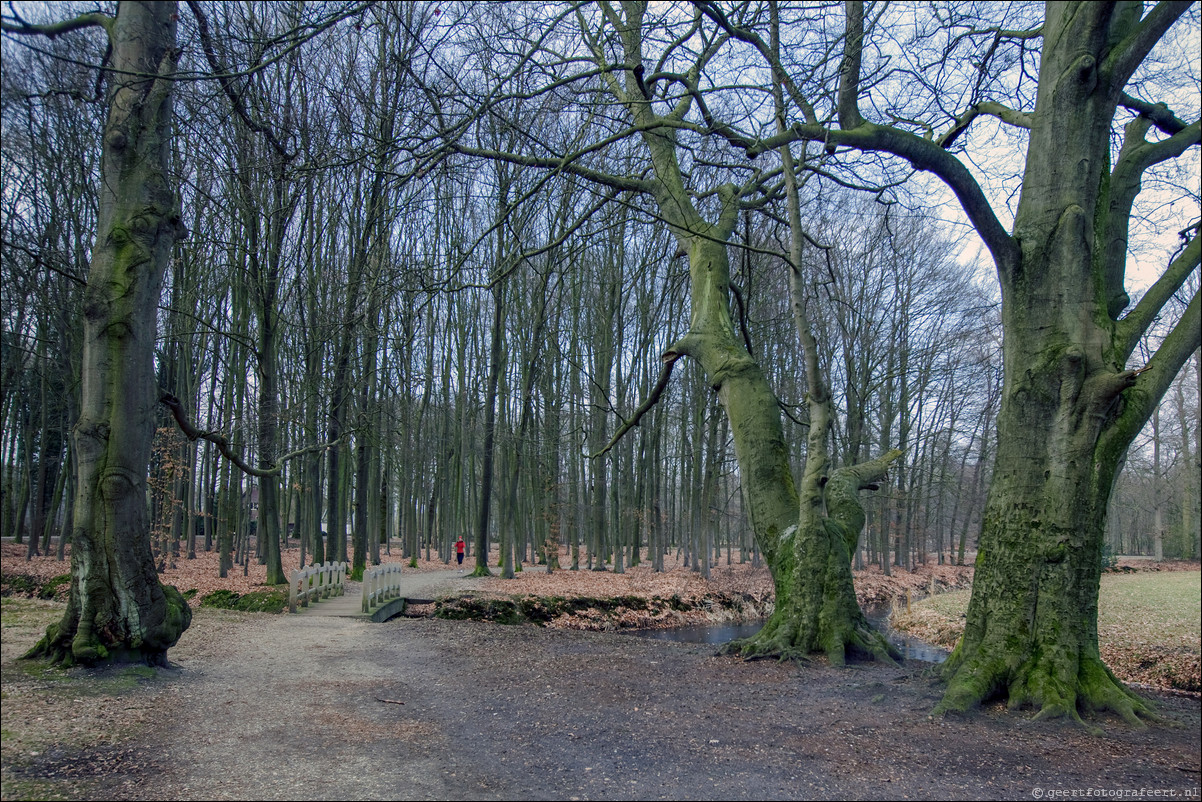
1136	653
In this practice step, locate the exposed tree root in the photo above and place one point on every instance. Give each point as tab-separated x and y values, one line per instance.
60	651
77	640
777	639
1091	688
788	638
862	641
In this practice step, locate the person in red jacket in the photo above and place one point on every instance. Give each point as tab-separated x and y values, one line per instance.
459	547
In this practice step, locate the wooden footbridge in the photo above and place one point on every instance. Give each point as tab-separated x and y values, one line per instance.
384	593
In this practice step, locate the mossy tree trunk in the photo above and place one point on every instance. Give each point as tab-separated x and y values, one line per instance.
1070	406
118	610
816	606
806	538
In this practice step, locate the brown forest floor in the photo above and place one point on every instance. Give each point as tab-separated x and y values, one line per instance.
733	589
287	707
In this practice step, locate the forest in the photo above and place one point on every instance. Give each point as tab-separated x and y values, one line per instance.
602	282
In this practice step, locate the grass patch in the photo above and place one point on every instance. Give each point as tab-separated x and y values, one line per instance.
19	613
1149	626
1152	607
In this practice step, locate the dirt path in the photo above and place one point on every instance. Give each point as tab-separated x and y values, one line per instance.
300	707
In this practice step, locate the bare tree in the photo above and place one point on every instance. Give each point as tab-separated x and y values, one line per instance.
117	609
1071	404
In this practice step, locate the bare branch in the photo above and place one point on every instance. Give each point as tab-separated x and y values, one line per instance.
1158	113
56	29
225	77
712	11
1132	327
1130	53
1004	113
923	154
1136	156
223	445
849	70
669	360
1145	387
564	164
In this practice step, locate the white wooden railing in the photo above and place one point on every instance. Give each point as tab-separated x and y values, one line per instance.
315	583
380	584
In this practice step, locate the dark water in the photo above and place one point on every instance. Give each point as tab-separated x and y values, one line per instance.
911	648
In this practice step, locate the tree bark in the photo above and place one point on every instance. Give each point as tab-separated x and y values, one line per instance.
117	609
490	427
1070	408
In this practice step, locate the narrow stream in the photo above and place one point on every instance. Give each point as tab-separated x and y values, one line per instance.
911	648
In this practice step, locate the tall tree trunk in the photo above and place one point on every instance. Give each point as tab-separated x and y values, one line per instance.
811	542
490	427
807	539
367	445
269	486
1189	501
117	609
1070	407
38	507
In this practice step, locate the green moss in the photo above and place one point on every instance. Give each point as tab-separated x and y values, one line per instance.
178	618
499	611
125	679
52	586
40	669
221	599
538	611
143	672
262	601
21	584
26	585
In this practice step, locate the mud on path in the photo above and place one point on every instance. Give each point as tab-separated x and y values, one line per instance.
299	707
